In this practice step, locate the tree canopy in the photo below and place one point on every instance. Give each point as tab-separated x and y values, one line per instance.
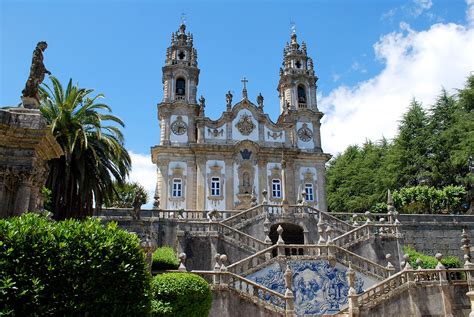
93	146
431	150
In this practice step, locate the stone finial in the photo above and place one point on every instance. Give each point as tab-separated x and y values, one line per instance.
244	90
288	276
264	194
351	279
202	105
280	232
419	262
440	265
389	266
466	247
354	220
328	235
321	231
406	261
228	98
223	259
182	259
156	203
217	258
367	214
253	198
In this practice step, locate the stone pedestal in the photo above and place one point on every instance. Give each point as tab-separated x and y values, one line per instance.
26	144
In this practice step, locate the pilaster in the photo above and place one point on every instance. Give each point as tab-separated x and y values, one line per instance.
262	177
191	185
22	198
321	181
229	184
201	183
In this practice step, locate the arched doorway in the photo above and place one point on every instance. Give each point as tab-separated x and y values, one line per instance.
292	234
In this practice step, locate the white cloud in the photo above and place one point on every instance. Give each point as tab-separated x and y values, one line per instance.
420	6
470	12
416	64
144	172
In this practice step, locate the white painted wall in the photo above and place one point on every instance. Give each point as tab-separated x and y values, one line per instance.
236	135
183	138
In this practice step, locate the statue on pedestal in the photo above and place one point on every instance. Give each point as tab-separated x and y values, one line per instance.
37	71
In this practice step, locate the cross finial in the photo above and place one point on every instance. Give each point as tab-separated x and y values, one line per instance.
183	18
244	91
292	27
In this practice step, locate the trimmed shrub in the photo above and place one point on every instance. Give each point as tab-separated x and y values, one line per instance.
429	262
180	295
164	258
71	268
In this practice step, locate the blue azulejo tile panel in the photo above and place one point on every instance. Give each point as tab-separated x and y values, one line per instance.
318	287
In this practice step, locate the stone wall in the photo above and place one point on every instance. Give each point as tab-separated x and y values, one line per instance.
420	300
434	234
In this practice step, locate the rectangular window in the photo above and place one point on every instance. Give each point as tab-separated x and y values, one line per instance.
276	188
177	188
308	188
215	186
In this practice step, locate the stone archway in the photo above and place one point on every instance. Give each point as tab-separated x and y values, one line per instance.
292	234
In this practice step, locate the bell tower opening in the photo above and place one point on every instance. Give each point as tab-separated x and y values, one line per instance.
180	87
301	96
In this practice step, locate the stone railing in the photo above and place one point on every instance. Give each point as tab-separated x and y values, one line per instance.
335	223
238	218
256	293
403	218
244	240
381	291
310	252
364	232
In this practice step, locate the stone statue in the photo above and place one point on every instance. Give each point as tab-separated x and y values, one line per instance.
260	101
228	97
202	105
37	72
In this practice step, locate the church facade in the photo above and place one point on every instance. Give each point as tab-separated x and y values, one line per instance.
243	158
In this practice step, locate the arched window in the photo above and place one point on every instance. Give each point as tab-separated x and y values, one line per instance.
180	87
301	94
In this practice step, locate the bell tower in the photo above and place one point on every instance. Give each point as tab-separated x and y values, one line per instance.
297	85
180	73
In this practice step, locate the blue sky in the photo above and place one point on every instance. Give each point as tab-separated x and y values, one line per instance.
371	57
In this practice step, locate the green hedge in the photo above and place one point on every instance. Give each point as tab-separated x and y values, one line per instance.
164	258
430	262
180	295
71	268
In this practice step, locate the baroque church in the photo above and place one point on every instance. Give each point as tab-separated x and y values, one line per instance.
243	158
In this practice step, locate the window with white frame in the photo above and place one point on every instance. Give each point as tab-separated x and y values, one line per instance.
276	188
215	186
177	188
308	188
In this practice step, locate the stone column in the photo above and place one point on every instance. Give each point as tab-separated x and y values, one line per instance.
229	184
262	177
321	181
283	185
163	186
191	185
22	198
201	183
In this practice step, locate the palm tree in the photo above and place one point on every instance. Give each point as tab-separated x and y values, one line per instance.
93	146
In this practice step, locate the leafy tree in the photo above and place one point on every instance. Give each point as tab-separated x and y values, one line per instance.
126	195
409	158
93	146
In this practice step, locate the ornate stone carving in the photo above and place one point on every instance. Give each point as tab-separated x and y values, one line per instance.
274	135
37	72
179	127
245	124
215	132
304	133
260	102
228	98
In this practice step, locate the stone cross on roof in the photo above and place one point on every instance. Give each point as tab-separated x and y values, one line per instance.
244	91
